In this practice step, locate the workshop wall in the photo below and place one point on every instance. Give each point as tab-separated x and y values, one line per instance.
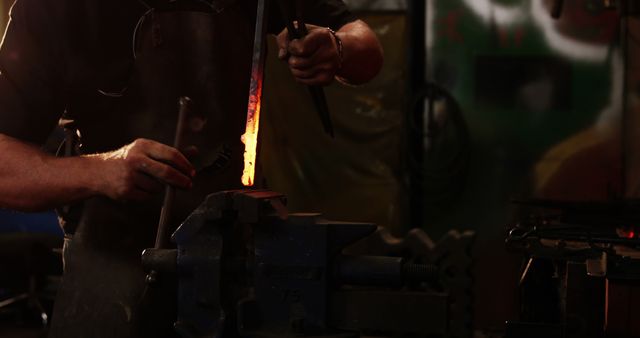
540	101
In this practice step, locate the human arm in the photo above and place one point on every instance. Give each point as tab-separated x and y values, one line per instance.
33	96
316	59
32	180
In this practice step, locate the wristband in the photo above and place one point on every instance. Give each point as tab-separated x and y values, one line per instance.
339	45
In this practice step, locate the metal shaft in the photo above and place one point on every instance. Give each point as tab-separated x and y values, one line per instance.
382	271
162	239
317	92
250	137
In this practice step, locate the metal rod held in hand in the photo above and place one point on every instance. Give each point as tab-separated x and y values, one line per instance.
162	239
317	92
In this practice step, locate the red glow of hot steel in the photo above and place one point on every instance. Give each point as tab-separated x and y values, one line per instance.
250	136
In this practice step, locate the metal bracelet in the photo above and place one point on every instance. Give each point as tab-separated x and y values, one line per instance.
339	45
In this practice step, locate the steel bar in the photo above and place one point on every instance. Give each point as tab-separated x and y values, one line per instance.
250	137
169	195
317	92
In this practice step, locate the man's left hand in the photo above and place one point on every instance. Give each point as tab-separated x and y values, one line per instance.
314	59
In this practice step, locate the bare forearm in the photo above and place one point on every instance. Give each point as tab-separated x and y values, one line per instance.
362	53
31	180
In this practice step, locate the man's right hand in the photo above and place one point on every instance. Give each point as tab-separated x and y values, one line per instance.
141	169
31	180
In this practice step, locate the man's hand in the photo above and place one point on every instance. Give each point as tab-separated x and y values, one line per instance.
141	169
313	60
31	180
316	59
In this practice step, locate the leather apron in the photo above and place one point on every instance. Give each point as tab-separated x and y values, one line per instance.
203	52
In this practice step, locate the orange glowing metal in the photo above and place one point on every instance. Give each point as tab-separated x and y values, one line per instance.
250	137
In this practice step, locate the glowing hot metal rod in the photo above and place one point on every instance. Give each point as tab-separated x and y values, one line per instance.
250	136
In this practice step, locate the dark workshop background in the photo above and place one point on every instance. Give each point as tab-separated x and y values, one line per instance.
523	106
